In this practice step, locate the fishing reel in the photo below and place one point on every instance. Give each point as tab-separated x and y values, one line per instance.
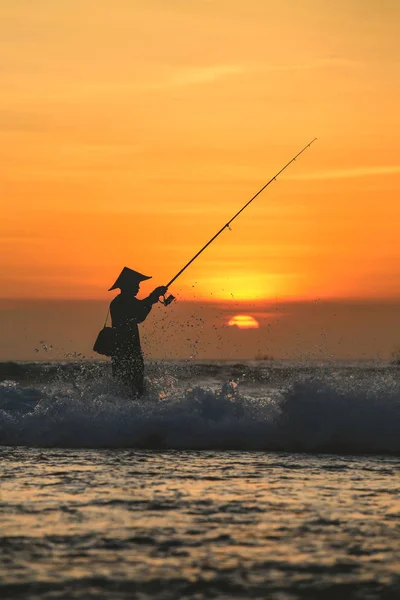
167	300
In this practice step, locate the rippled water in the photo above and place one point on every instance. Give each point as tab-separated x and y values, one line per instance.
181	494
186	524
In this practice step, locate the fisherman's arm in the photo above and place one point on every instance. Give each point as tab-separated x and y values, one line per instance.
143	307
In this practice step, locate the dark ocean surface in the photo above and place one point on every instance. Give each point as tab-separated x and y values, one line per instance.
228	480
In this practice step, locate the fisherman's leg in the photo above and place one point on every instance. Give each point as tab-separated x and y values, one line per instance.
122	369
138	376
116	368
128	369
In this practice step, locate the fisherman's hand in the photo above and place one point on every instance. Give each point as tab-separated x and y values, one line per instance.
159	291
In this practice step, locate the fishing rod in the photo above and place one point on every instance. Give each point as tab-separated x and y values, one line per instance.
168	300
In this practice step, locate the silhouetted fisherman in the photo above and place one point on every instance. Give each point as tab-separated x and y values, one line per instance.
126	312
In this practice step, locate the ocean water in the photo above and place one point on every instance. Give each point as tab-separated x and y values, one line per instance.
254	480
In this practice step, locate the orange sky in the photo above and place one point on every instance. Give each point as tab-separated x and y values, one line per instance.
131	131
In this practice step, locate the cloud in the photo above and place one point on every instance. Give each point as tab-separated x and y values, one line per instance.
316	64
195	75
15	121
349	173
186	76
144	78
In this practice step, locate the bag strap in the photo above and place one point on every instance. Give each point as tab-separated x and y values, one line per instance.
108	314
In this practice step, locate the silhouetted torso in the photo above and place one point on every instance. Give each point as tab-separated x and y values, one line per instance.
127	362
126	312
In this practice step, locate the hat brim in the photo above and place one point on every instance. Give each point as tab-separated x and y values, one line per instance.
117	284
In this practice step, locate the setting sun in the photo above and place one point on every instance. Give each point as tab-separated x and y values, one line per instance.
244	322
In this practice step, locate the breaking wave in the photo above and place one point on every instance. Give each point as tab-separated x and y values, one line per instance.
315	414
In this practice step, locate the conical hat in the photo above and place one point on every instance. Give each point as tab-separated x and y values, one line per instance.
127	277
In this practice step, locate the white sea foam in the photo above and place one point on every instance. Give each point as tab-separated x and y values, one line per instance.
328	414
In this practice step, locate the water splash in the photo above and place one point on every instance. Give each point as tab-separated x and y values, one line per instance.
313	414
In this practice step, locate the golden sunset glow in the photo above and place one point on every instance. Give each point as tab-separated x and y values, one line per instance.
132	131
244	322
